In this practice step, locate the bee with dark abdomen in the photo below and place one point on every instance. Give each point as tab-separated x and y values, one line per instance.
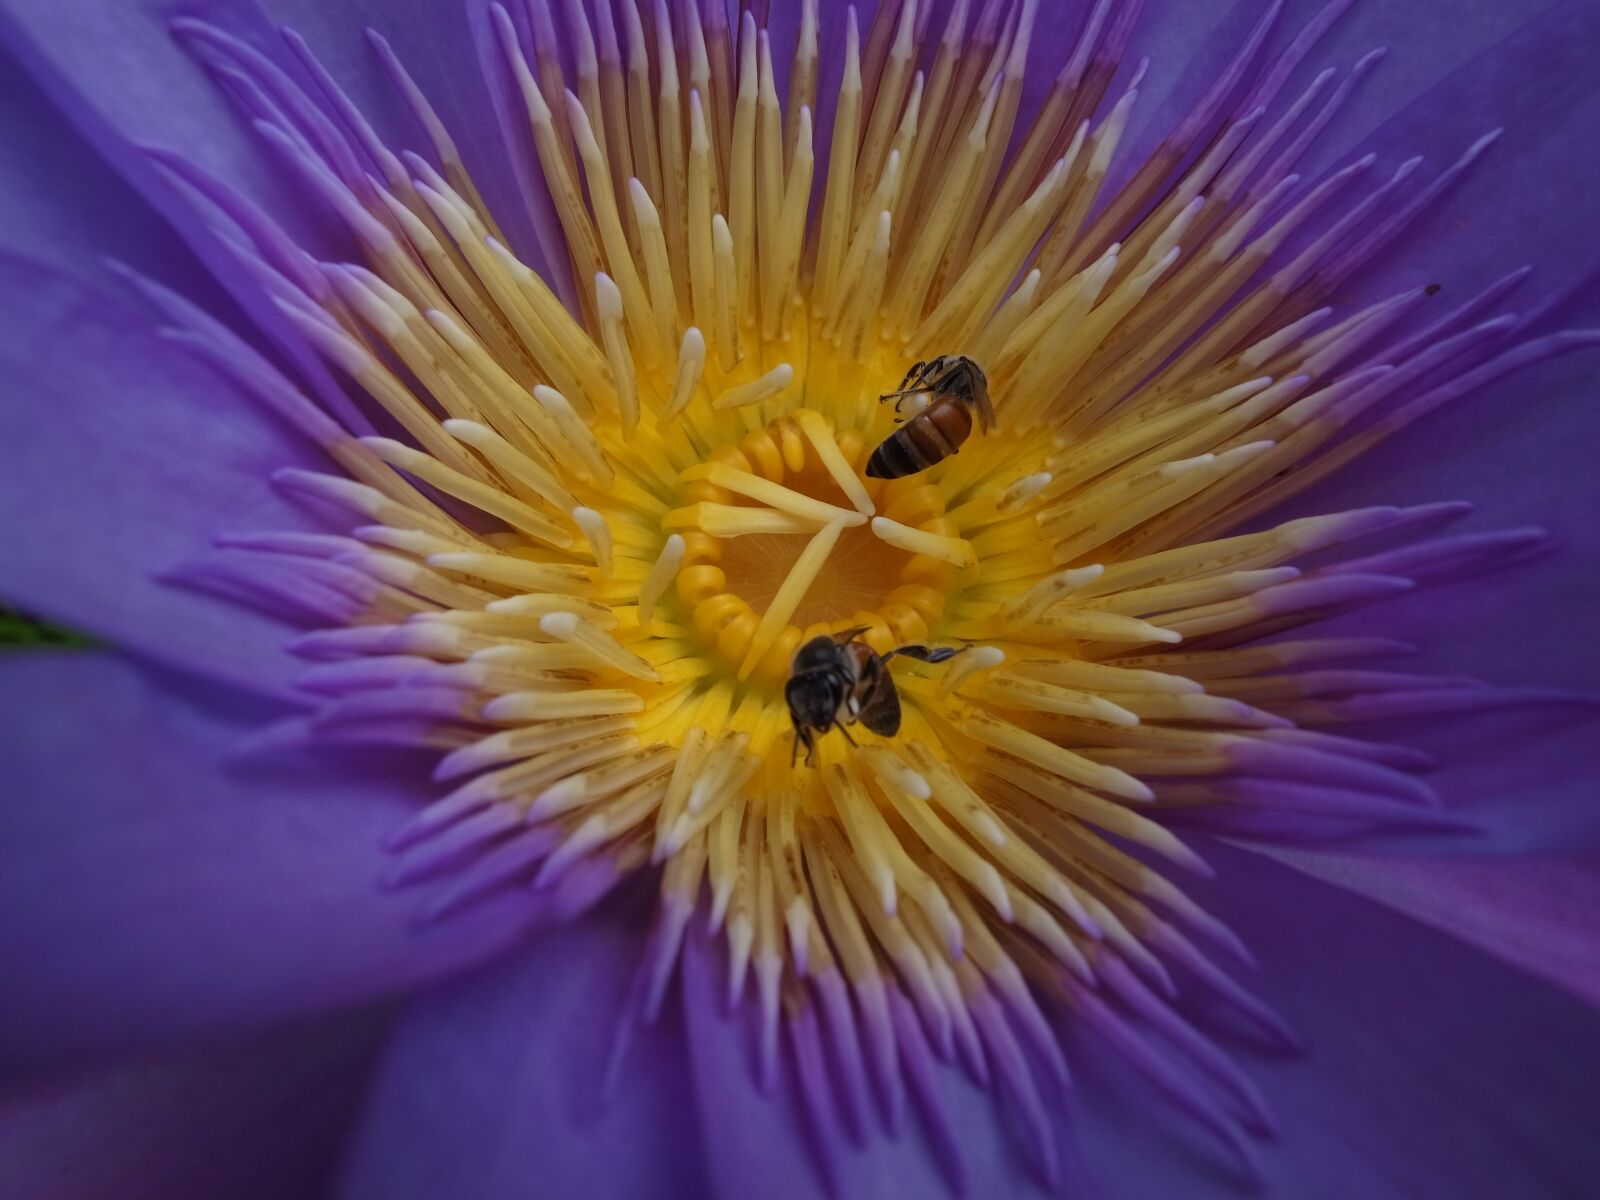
959	388
837	681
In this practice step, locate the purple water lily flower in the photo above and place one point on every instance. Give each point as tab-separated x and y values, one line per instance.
453	430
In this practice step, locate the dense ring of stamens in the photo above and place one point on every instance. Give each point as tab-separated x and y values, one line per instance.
618	499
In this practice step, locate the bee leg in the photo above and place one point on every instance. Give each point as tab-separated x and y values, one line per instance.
803	737
899	397
916	380
847	736
928	654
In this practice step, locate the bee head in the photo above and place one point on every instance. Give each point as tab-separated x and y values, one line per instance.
819	654
813	698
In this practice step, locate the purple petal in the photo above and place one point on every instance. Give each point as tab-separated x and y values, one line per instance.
1525	201
492	1085
774	1145
252	1119
1429	1070
1520	448
157	891
123	82
121	78
1542	915
64	204
435	44
1188	44
102	65
123	456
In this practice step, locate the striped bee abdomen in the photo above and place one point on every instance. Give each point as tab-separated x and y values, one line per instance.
931	436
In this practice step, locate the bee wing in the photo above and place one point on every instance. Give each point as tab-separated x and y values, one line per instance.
881	712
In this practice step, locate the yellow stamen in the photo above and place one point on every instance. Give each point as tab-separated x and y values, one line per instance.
598	532
953	550
691	365
815	428
775	494
608	303
758	390
661	575
481	495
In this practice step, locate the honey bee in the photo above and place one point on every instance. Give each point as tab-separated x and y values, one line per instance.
959	388
836	681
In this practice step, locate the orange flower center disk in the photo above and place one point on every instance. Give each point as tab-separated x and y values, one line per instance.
766	569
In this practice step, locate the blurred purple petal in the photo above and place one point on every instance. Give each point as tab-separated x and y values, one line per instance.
122	78
261	1118
1430	1070
769	1144
123	82
74	210
123	457
1520	461
492	1086
434	42
1541	914
1519	448
1187	43
1525	202
156	891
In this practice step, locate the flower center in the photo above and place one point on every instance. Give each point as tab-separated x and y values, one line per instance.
785	538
